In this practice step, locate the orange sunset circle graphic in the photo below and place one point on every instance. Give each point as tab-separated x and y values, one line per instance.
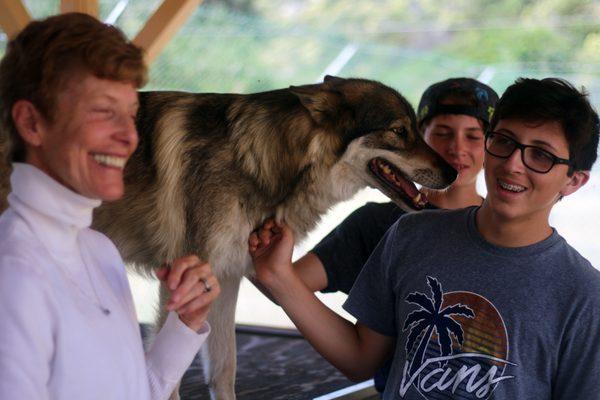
456	347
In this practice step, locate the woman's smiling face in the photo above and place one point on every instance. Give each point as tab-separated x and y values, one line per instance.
91	137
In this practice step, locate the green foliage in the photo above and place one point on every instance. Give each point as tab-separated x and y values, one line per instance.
255	45
406	44
42	8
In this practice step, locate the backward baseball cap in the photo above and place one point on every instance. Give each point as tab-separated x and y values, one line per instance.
485	99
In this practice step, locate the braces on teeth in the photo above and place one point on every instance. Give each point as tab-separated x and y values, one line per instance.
512	188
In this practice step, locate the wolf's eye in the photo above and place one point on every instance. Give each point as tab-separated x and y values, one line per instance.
401	131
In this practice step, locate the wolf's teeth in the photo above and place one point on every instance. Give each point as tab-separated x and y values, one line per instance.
111	161
420	200
512	188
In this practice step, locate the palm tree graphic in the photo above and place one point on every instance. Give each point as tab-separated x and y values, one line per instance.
428	318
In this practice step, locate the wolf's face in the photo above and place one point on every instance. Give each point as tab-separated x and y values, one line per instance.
378	138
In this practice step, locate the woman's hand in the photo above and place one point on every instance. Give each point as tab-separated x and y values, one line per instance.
271	248
193	288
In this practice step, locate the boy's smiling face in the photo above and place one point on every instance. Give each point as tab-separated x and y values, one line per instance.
458	139
515	192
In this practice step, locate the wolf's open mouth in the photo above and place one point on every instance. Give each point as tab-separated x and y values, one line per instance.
395	180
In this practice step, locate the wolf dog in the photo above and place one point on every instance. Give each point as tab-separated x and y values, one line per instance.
210	168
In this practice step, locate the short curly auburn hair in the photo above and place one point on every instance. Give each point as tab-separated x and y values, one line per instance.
44	55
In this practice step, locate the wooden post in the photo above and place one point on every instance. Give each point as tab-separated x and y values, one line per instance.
13	17
163	25
83	6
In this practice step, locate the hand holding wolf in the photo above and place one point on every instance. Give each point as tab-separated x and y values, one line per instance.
354	349
193	289
271	248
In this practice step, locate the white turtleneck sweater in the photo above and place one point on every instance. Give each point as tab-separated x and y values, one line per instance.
56	277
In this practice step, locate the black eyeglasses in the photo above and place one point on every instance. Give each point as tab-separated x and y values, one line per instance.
533	157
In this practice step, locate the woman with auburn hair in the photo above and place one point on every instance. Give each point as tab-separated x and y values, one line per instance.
69	329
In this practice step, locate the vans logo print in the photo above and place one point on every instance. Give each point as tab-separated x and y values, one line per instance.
456	345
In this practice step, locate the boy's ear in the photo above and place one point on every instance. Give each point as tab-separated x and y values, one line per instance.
321	103
576	181
28	121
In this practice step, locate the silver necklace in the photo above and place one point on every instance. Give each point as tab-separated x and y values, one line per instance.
96	300
105	310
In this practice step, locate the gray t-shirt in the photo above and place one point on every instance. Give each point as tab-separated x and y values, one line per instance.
477	321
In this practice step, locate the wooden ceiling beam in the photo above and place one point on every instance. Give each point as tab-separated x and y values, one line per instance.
83	6
153	37
13	17
163	25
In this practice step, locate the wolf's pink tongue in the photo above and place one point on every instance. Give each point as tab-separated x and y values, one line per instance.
408	186
401	183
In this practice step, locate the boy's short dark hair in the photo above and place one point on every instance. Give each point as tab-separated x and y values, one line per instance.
40	59
554	99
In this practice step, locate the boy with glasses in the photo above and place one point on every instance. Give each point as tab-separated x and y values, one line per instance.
477	303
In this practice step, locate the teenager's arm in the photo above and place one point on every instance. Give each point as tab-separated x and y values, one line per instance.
355	350
336	261
311	271
340	256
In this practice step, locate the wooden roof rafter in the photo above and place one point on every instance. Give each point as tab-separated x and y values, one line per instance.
153	37
90	7
163	25
13	16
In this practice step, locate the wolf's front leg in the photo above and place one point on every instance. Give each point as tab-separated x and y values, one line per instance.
219	352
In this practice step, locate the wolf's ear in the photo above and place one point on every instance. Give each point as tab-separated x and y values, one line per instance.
322	104
333	79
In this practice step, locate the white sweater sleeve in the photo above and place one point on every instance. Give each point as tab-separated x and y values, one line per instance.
26	331
171	354
174	346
